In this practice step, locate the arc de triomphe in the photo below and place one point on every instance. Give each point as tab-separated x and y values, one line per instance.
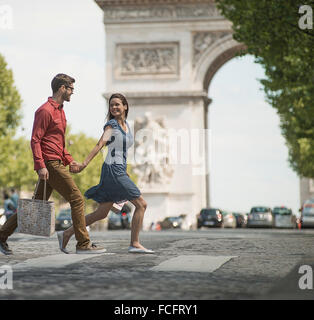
163	54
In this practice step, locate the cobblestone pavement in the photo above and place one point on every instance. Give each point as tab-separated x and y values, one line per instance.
264	260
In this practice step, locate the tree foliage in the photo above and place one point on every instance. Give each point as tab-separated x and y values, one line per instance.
10	101
79	146
271	32
18	170
10	116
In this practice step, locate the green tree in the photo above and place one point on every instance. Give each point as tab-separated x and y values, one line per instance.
270	30
79	145
19	169
10	116
10	101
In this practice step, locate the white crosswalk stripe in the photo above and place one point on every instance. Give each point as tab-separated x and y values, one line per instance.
54	261
193	263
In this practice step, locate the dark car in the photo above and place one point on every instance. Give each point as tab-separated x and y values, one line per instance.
210	217
64	220
172	223
241	219
120	220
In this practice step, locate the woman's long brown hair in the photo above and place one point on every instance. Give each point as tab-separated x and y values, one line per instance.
124	102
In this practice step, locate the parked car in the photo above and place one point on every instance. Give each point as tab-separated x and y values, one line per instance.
307	214
63	220
171	223
210	217
260	217
120	220
241	219
229	220
284	218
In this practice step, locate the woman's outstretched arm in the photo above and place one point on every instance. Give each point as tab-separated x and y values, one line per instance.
102	141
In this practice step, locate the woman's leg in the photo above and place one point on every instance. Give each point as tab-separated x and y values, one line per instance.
99	214
137	221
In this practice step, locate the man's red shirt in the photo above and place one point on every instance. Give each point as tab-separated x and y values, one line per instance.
48	141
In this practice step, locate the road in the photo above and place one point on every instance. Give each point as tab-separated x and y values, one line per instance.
188	265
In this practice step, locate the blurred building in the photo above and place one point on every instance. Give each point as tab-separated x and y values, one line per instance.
306	189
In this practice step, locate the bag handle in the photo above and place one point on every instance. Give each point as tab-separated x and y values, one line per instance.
37	185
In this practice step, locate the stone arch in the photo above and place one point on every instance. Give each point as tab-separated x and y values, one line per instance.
214	57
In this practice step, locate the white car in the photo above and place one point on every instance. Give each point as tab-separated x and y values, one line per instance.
307	215
229	220
260	217
284	218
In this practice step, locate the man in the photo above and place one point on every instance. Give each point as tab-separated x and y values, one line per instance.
50	161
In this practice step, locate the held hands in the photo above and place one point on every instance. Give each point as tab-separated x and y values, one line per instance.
76	167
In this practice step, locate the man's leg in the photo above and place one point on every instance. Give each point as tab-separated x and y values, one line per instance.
61	180
8	228
101	213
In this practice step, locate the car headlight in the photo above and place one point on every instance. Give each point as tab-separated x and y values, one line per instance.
65	221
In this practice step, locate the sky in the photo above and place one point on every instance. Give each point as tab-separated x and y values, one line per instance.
50	37
248	160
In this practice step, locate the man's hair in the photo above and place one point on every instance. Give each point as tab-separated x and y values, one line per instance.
59	80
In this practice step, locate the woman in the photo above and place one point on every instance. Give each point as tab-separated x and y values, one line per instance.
115	185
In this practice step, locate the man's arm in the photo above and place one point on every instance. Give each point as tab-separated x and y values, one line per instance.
67	156
41	123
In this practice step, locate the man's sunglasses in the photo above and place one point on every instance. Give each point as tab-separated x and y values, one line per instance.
68	87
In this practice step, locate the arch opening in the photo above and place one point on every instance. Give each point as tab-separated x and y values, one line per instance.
247	153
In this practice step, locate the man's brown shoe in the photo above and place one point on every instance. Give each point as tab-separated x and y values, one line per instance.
93	249
4	248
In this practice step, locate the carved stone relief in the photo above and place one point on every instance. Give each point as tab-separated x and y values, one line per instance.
151	152
177	12
203	40
147	60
